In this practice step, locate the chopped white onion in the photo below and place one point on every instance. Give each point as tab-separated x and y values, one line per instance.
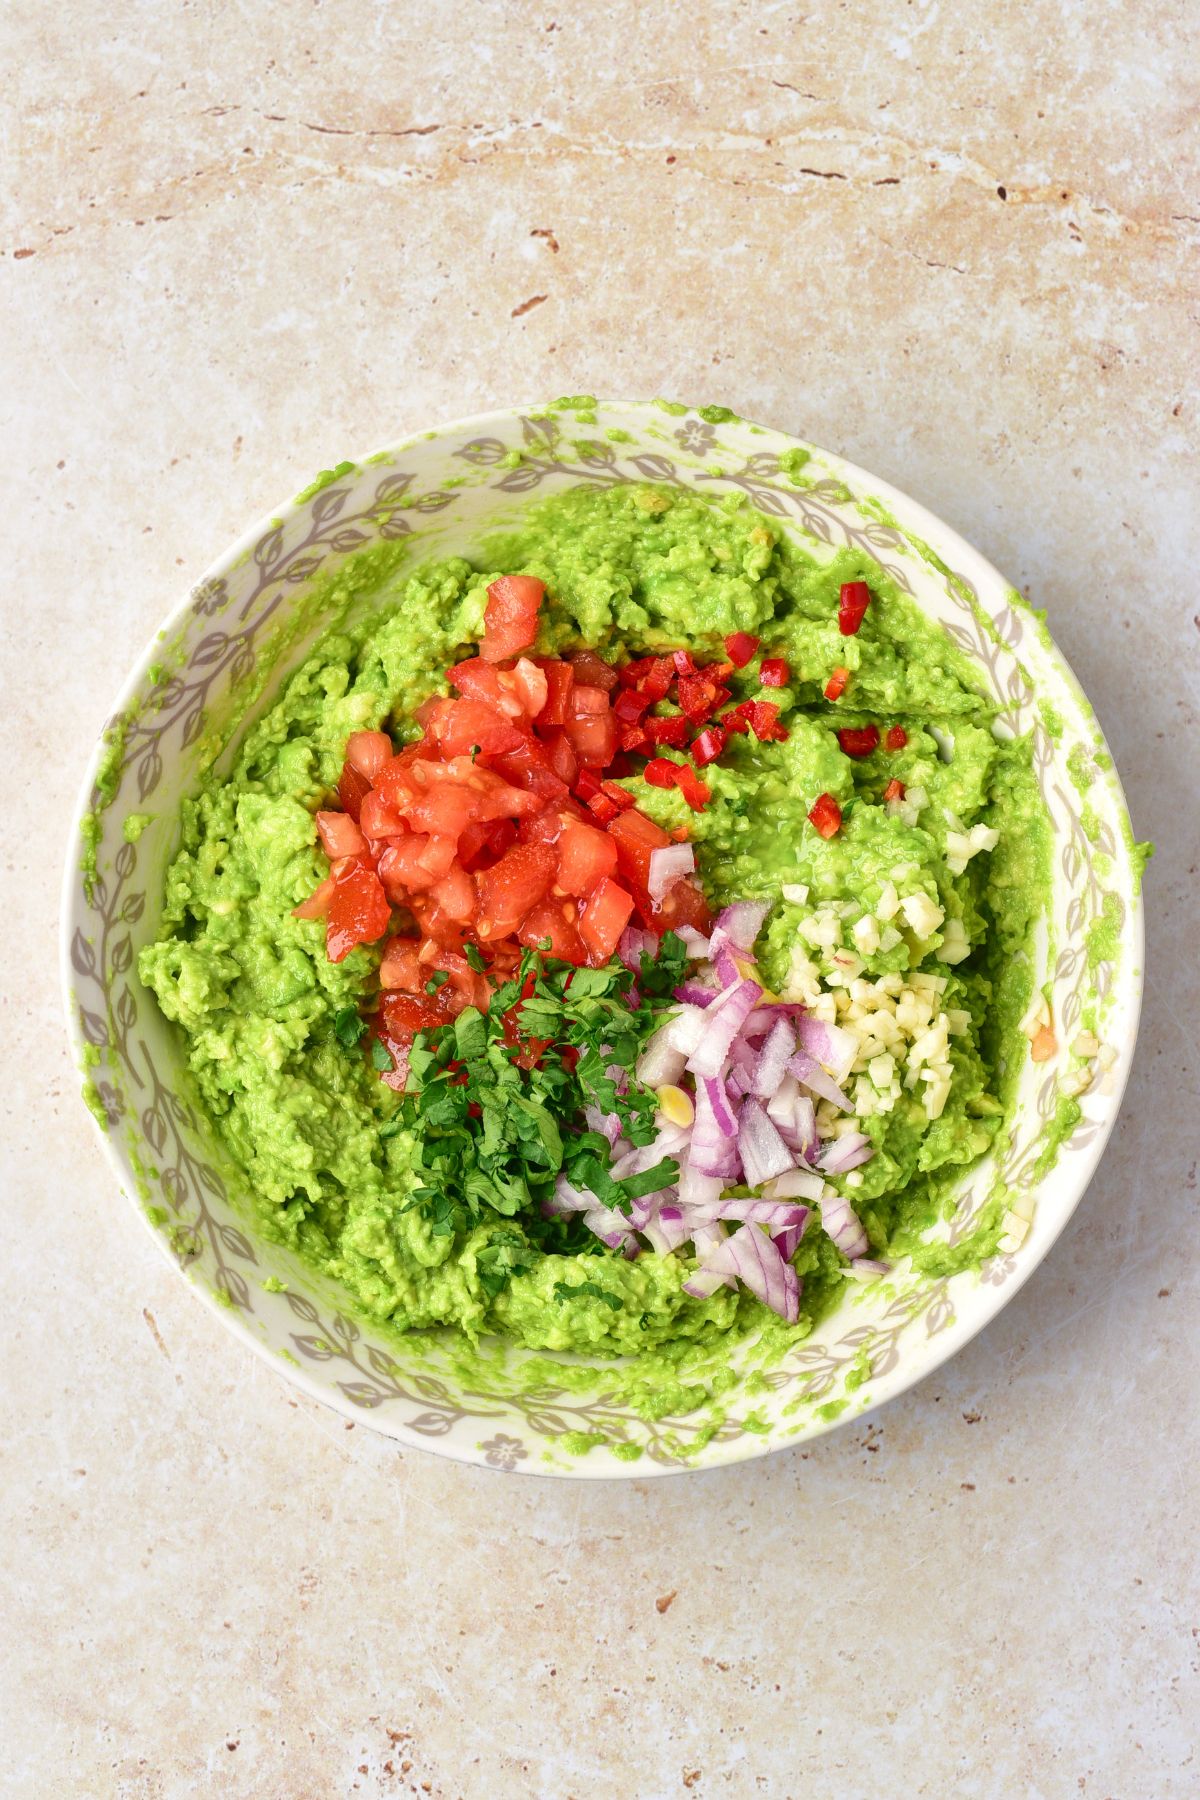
668	865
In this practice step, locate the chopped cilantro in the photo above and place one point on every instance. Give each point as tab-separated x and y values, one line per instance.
381	1056
564	1291
348	1027
475	958
437	980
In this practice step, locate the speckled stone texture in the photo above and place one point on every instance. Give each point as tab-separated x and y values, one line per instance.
956	243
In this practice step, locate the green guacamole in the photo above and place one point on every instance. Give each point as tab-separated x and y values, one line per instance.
911	927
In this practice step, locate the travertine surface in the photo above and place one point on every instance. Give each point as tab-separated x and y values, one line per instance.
957	243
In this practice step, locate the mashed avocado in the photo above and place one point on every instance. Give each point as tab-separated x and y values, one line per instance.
911	927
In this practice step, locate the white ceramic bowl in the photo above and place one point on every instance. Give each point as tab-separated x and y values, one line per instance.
443	488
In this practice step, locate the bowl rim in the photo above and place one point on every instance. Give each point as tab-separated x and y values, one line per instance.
935	1351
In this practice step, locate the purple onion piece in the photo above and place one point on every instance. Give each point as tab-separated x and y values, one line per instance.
755	1260
763	1152
808	1070
743	921
722	1023
773	1059
843	1225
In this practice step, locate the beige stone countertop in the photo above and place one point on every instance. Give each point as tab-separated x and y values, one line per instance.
958	243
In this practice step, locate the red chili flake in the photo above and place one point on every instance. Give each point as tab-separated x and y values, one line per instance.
672	731
630	705
774	672
853	601
684	662
603	808
694	791
621	798
587	784
894	790
859	741
708	746
740	647
896	738
835	687
826	815
660	772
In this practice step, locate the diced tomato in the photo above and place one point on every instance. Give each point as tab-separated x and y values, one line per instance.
585	857
826	815
482	844
401	870
635	837
400	967
367	751
339	835
510	617
529	769
740	648
660	772
774	672
560	678
353	788
467	723
431	712
358	911
590	726
317	904
476	680
835	687
556	920
896	738
591	670
605	914
859	740
708	746
512	887
548	827
684	904
894	790
531	686
695	792
561	757
853	601
438	854
455	894
402	1016
673	731
379	818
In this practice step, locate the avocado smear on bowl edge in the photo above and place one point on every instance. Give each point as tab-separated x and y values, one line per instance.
909	924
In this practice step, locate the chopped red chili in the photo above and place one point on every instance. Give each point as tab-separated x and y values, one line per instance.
660	772
859	740
853	601
774	672
740	647
621	798
630	705
672	731
604	809
897	737
835	687
894	790
694	791
684	662
826	815
708	746
587	784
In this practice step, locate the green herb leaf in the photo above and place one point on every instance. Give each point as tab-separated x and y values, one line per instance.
564	1291
437	980
381	1056
348	1027
475	959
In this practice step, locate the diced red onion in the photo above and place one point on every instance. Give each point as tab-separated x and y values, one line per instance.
696	1189
775	1214
611	1229
721	1023
668	865
568	1199
686	1029
763	1152
671	1141
633	945
725	964
742	922
607	1123
787	1240
713	1149
773	1059
830	1044
694	942
694	993
723	1113
754	1259
846	1153
808	1070
662	1060
867	1268
795	1184
843	1226
738	1082
667	1230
